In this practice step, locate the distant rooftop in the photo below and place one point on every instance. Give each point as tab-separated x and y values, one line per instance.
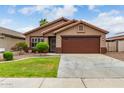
9	32
117	36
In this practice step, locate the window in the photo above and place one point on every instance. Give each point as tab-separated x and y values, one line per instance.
35	40
80	28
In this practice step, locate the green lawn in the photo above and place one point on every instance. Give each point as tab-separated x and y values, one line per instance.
31	67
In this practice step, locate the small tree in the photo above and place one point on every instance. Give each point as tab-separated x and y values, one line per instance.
43	22
42	47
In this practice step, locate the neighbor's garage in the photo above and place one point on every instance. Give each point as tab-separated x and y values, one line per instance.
115	45
79	44
120	45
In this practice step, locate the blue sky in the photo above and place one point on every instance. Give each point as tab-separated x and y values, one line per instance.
23	18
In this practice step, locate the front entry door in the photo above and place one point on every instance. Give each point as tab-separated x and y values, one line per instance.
52	44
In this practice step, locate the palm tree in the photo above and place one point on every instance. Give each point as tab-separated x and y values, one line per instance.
43	22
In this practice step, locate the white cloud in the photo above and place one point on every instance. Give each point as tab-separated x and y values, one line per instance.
50	12
26	10
12	9
91	7
94	8
56	12
25	29
111	21
5	22
42	7
32	9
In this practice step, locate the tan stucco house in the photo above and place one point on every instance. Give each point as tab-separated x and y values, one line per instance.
115	43
8	38
69	36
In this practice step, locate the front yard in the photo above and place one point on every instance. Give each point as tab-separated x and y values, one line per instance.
31	67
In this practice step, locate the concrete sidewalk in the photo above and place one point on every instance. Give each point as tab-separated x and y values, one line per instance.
60	83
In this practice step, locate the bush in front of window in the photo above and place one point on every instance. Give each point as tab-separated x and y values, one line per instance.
7	55
42	47
20	46
34	50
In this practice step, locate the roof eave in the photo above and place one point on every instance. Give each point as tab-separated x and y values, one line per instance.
62	18
13	36
99	29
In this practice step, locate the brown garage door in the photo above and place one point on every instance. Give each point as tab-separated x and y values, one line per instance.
89	44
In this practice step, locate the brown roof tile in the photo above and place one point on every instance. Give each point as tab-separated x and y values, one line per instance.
83	22
95	27
62	18
59	26
65	25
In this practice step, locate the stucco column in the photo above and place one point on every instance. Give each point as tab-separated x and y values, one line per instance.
58	44
46	39
103	44
27	40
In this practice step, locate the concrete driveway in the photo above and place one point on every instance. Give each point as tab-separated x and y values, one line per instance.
90	66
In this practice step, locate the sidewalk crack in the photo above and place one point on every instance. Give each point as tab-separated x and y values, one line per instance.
41	83
2	80
83	83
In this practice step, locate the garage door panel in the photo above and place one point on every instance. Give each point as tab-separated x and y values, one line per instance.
80	45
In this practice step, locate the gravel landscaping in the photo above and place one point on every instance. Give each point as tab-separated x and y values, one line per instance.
117	55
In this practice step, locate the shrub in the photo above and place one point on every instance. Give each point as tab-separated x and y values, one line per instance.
21	46
34	50
7	55
42	47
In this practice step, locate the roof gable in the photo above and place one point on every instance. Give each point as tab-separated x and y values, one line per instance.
59	26
63	26
80	22
48	24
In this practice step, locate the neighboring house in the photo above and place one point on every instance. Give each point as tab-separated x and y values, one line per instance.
69	36
8	38
115	43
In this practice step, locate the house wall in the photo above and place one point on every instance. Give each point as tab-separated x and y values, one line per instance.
71	31
115	46
39	32
87	31
111	46
9	42
120	45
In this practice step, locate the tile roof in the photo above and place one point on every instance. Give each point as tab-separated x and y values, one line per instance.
66	25
62	18
83	22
